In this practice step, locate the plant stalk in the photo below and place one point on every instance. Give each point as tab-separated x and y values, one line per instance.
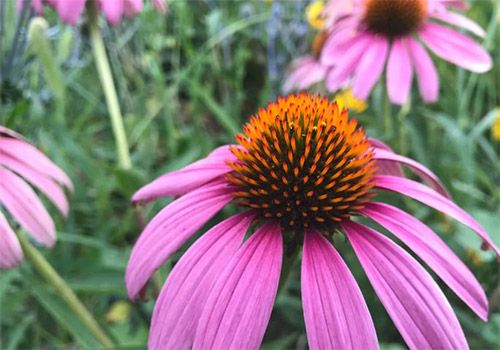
387	116
50	275
104	71
288	265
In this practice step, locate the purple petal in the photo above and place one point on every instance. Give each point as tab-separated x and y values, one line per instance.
386	167
304	72
113	10
416	167
26	153
461	21
132	7
186	179
24	205
456	48
346	61
414	301
10	249
239	306
70	10
184	294
434	200
433	251
41	181
399	72
170	229
427	77
335	311
370	67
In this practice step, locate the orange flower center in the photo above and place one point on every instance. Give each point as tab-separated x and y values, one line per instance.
303	163
394	17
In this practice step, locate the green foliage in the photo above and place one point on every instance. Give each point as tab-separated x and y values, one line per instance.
186	82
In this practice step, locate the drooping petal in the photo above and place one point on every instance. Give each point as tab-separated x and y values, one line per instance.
132	7
399	72
335	311
346	61
184	294
416	167
10	249
386	167
456	47
370	67
304	72
170	229
239	306
186	179
70	10
113	10
434	200
412	298
433	251
160	5
460	21
26	153
24	205
427	76
51	189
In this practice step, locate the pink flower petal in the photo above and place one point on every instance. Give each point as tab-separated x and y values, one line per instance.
26	153
399	72
460	21
113	10
188	178
346	61
416	167
23	204
370	67
70	10
10	249
434	200
160	5
304	72
239	306
132	7
386	167
44	184
433	251
6	132
414	301
335	311
427	77
170	229
456	48
184	294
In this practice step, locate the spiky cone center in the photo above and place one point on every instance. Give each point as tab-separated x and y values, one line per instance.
394	18
304	163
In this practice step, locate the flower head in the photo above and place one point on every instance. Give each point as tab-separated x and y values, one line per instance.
375	31
18	160
302	171
113	10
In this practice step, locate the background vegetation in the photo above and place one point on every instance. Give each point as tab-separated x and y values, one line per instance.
186	81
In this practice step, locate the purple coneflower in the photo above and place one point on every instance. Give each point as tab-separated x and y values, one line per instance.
114	10
302	170
20	159
374	31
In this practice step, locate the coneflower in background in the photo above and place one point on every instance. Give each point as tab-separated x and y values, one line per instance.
302	172
18	160
375	34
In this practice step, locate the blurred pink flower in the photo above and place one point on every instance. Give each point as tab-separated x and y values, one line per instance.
302	171
114	10
374	31
20	159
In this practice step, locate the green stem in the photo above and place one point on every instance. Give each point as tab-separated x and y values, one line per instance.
104	71
288	265
386	113
52	277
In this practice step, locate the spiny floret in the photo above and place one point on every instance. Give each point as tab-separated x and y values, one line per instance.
394	17
302	162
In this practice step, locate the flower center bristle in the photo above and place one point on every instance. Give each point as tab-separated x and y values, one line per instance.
303	163
394	17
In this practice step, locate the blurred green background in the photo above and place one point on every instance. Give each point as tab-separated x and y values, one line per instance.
186	82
